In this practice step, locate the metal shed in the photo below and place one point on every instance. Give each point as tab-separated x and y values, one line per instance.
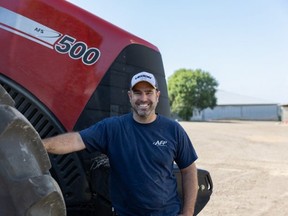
284	113
235	106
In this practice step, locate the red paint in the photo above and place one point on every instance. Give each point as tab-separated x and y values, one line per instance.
63	84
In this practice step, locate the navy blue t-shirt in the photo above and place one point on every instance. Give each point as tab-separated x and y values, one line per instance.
141	157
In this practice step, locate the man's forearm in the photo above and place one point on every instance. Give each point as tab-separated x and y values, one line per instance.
189	189
64	143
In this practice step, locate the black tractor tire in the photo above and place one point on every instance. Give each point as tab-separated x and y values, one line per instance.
26	186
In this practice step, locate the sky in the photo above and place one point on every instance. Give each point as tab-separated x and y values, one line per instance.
243	44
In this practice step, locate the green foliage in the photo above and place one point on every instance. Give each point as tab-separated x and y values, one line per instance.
189	90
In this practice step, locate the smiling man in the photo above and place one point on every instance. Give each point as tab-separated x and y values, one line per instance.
142	147
144	96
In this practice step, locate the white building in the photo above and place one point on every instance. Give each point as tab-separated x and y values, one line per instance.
239	107
284	113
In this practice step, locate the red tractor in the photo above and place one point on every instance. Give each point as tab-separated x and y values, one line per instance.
62	69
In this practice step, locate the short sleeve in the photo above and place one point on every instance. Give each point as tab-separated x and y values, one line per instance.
94	137
186	153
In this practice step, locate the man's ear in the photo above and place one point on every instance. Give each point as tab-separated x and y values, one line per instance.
158	95
129	94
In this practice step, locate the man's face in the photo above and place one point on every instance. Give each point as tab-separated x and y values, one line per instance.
144	99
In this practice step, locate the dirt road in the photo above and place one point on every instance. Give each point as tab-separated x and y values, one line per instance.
248	163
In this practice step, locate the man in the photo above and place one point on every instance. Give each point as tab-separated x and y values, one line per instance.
142	147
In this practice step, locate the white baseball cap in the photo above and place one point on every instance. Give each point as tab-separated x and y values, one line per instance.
144	77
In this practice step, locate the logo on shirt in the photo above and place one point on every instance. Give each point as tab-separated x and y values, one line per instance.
160	143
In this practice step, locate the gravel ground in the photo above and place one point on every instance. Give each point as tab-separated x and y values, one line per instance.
248	163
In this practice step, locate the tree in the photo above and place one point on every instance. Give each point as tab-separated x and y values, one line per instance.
191	90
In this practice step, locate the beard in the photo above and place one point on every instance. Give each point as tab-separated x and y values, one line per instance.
144	111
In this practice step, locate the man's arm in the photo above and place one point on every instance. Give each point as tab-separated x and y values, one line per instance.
189	189
64	143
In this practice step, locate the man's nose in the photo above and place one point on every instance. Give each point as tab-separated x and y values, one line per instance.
143	97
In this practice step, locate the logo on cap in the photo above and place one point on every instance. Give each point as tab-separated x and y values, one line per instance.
144	77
